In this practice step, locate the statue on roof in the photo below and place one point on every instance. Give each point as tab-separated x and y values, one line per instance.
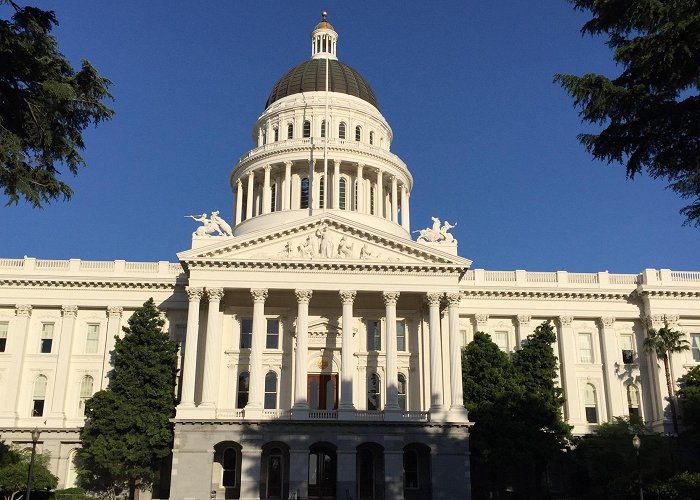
437	233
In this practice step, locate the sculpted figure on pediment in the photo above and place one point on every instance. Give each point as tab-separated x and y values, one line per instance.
345	248
437	233
326	245
221	225
308	248
366	252
212	225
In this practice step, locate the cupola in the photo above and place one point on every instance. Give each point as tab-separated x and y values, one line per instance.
324	40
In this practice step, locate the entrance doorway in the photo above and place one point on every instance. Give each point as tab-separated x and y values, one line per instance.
322	391
322	473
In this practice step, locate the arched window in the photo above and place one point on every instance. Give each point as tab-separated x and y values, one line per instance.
229	464
39	396
341	130
341	192
321	192
71	474
371	200
276	133
591	405
270	391
243	387
290	131
273	197
307	129
354	196
401	389
633	401
371	137
358	133
304	199
264	137
323	128
374	399
85	391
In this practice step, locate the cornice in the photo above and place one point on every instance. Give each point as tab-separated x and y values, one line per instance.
394	268
68	283
584	295
682	294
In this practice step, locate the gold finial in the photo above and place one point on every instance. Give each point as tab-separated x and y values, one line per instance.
324	14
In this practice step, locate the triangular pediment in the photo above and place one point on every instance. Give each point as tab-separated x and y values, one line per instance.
322	240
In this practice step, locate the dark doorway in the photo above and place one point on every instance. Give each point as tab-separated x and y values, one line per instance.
370	472
322	472
322	391
274	471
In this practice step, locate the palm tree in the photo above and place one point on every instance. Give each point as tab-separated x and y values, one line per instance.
663	342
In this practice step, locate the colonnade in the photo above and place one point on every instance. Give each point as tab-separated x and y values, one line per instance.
300	405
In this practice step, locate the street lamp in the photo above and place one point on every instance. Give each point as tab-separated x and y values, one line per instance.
637	443
35	437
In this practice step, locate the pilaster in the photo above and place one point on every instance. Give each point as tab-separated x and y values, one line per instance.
567	355
194	297
608	349
436	383
392	410
212	352
346	407
257	375
458	413
58	401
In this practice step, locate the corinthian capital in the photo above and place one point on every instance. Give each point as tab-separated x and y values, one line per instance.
607	321
347	296
390	298
566	320
453	299
115	311
215	294
194	293
303	295
24	310
259	294
433	298
69	311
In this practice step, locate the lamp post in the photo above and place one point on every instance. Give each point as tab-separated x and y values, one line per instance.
637	443
35	437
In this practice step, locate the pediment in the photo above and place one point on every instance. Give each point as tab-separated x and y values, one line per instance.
322	240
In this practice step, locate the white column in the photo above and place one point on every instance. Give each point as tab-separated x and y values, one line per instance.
250	201
336	184
212	351
65	347
114	323
302	352
189	369
404	208
379	210
287	196
567	355
391	375
457	403
257	377
239	201
266	190
614	397
347	297
394	200
436	389
523	330
360	187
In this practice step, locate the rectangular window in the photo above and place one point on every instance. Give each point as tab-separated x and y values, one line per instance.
46	337
92	340
246	333
400	336
695	346
501	340
627	349
585	348
3	336
273	334
38	408
374	335
591	414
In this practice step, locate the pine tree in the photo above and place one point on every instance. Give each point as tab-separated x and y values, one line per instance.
127	433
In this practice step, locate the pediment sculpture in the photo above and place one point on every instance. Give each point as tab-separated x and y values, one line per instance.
211	226
437	233
320	244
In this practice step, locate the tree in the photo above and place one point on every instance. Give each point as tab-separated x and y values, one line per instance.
128	432
663	342
689	397
650	112
14	467
44	107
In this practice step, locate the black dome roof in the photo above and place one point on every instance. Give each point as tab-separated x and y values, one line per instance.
310	76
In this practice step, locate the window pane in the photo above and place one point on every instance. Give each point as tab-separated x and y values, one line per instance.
3	336
46	338
93	337
86	386
38	408
243	383
40	387
402	391
410	467
272	341
304	201
373	393
371	138
341	193
695	340
323	128
374	336
501	340
321	192
358	133
246	333
307	129
591	415
290	131
400	336
341	130
585	351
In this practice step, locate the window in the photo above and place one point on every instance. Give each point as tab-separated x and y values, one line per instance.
373	392
410	469
246	333
358	133
374	336
321	191
273	196
228	466
341	130
304	198
401	389
3	336
400	336
273	334
591	405
92	339
307	129
695	346
501	340
39	396
585	349
371	200
633	401
270	391
85	391
342	188
323	128
46	337
371	137
243	387
290	131
354	195
276	133
627	349
264	137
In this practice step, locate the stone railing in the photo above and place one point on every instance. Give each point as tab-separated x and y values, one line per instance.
360	415
88	268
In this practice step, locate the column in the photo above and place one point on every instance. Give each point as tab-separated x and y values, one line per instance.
394	200
436	398
114	323
404	204
65	347
302	352
239	201
336	184
23	312
379	210
287	196
523	322
567	355
212	352
360	187
257	377
266	190
457	403
250	202
392	411
189	369
347	297
655	368
614	398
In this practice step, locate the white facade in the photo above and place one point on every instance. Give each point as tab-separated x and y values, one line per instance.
320	342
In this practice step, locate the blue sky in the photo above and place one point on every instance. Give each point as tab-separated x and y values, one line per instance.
466	86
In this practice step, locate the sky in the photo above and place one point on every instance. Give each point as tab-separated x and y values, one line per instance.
467	87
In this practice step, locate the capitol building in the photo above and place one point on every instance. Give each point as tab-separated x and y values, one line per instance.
320	329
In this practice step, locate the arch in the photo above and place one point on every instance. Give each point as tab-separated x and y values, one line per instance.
358	133
39	395
71	472
243	388
86	385
342	192
402	391
290	131
633	401
341	130
270	390
416	472
370	471
591	402
374	392
306	129
227	470
304	196
274	470
323	465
